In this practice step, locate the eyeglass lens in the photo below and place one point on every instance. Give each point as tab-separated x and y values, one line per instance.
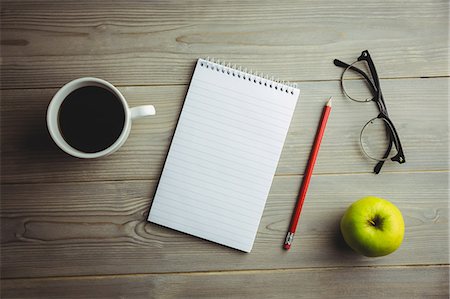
375	139
355	86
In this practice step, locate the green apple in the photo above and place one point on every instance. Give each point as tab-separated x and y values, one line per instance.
373	226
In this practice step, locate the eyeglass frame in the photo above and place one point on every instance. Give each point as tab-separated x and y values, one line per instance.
379	100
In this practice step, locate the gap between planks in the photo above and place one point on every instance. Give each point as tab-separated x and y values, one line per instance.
230	272
184	84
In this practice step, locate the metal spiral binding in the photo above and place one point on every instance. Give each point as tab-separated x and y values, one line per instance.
261	79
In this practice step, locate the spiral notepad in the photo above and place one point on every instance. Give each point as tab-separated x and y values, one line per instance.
224	154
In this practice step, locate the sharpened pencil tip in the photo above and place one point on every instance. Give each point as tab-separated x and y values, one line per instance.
330	101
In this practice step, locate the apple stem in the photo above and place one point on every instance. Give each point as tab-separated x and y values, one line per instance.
372	222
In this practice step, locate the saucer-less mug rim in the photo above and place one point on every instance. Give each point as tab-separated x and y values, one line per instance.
63	92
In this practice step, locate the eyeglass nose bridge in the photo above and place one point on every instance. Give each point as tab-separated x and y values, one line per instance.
382	115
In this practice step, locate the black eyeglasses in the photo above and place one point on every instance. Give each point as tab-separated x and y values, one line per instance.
379	139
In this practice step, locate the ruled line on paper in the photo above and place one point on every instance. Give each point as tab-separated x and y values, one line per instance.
263	155
204	103
211	213
231	178
206	129
248	117
238	102
232	157
178	182
243	127
260	99
217	161
244	198
195	227
214	201
207	221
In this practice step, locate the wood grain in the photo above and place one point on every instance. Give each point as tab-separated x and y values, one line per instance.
76	229
46	43
417	107
100	228
361	282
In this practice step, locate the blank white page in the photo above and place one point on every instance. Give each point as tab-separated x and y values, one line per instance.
223	155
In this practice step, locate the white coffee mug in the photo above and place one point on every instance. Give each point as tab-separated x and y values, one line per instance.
63	92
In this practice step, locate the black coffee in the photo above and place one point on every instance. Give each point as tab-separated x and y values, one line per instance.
91	119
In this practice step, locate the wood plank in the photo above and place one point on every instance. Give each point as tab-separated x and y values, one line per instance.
47	43
417	107
96	228
363	282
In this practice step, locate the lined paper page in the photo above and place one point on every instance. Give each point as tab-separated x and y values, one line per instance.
223	156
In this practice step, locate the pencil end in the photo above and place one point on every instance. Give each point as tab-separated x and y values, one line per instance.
288	240
330	101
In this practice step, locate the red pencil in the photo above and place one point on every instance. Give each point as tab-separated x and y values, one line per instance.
307	175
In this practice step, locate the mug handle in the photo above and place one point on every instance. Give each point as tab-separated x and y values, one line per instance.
141	111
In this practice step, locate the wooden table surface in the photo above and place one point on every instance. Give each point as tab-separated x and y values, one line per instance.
77	228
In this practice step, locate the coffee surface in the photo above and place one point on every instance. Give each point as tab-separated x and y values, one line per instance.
91	119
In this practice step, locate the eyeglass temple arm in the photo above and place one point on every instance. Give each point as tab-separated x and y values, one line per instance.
373	71
366	56
400	157
393	139
340	63
380	164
